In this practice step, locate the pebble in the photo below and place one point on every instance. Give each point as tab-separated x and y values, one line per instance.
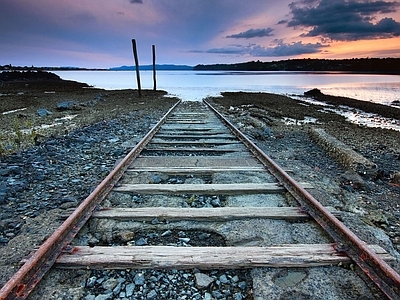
43	173
172	284
141	242
203	280
139	279
110	284
62	170
42	112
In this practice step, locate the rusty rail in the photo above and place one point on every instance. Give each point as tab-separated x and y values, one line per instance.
387	279
29	275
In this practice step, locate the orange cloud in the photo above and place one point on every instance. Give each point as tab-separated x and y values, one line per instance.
365	48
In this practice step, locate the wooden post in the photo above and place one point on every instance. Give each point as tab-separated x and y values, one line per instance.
135	55
154	68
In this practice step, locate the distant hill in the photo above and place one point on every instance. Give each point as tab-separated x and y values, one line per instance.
150	67
362	65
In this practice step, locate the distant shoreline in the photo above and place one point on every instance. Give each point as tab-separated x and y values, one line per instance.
359	65
355	65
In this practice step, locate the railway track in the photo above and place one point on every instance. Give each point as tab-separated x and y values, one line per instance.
196	194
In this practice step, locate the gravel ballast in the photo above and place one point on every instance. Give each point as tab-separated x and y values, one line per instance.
39	184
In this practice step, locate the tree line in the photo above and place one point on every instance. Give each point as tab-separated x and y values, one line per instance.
363	65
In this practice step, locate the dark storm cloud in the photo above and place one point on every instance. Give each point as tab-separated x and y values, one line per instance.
281	49
345	20
136	1
252	33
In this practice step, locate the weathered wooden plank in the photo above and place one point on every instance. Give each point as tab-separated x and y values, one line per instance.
195	133
209	136
185	128
199	141
197	149
205	189
165	257
204	214
198	170
186	122
192	161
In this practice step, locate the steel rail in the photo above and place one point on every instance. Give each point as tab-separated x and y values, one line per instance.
29	275
384	276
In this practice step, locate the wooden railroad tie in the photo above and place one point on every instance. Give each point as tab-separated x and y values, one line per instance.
205	189
168	257
204	214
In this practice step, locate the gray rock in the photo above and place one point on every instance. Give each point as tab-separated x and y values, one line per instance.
204	236
129	289
3	240
207	296
152	295
156	179
42	112
184	240
216	202
67	105
139	279
91	281
203	280
217	295
110	284
242	285
292	278
168	232
223	279
117	289
141	242
104	296
113	140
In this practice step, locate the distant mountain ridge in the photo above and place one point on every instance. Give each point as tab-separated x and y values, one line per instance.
389	65
150	67
362	65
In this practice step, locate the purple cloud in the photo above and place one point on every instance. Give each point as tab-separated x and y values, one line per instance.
252	33
281	49
344	20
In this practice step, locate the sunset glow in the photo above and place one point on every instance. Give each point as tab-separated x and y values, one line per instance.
98	33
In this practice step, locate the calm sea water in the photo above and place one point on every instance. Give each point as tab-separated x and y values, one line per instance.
196	85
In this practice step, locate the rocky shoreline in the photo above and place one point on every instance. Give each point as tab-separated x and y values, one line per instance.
58	166
373	196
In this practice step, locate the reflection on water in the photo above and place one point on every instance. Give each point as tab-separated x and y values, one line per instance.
356	116
366	119
197	85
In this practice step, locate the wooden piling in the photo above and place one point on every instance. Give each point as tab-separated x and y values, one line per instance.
135	55
154	68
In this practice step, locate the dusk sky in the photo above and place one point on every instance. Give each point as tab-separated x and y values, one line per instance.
98	33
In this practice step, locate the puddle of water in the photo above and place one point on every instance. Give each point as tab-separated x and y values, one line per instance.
306	120
366	119
57	122
357	116
13	111
65	118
